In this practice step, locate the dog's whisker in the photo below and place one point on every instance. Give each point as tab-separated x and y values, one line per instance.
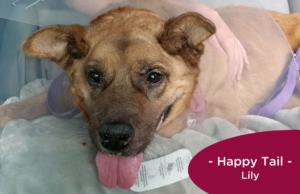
159	145
152	146
69	142
78	125
173	140
76	135
82	132
79	137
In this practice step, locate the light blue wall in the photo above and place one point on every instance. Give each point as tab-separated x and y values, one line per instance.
294	6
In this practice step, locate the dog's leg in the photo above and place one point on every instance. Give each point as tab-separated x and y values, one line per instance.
173	127
27	109
290	25
230	114
294	101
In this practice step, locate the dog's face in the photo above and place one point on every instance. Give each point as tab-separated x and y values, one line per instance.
130	71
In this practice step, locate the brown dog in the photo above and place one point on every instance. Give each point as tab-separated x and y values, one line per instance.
130	69
125	72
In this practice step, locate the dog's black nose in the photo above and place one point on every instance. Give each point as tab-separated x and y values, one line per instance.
115	136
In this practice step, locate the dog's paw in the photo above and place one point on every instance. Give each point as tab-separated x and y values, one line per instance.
173	127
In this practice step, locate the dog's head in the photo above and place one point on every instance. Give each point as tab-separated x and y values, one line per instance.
130	70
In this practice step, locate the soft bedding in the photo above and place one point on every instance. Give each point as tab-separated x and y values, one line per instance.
50	155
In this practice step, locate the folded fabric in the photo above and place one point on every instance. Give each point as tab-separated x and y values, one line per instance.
50	155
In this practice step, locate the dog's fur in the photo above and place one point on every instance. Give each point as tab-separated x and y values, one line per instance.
125	44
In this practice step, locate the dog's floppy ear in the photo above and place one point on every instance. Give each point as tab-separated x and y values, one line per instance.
184	35
60	43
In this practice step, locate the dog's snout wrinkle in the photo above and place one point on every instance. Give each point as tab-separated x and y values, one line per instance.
115	136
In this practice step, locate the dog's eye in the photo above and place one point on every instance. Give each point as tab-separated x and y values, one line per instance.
154	77
94	77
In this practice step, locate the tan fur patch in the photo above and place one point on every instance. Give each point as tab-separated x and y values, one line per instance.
290	25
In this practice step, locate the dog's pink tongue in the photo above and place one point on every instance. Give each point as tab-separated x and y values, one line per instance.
117	170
